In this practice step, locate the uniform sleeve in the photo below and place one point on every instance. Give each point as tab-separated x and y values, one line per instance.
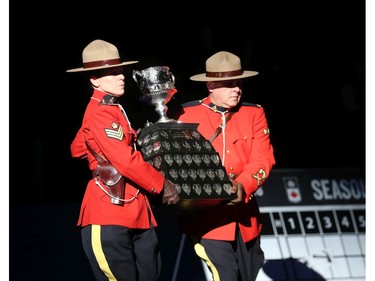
78	147
109	132
257	170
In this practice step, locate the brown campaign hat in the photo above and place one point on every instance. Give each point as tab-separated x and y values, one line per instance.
223	66
100	54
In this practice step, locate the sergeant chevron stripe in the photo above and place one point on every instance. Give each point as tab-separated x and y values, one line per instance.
115	134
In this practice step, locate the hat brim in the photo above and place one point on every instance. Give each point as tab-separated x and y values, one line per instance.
202	77
80	69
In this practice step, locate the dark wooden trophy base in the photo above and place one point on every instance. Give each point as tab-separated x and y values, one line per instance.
184	156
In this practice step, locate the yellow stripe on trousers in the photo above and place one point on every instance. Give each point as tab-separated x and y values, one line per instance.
98	252
201	252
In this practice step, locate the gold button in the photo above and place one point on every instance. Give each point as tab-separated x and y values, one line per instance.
245	137
231	168
227	151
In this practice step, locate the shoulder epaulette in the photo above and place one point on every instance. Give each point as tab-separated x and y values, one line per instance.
191	103
251	104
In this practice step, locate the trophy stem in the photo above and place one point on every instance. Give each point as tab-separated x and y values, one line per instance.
161	110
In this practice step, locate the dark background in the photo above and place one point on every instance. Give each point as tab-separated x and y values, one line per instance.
310	56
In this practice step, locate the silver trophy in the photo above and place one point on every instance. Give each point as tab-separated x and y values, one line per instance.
177	150
157	86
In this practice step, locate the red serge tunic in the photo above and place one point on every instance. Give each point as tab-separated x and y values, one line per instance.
248	154
108	132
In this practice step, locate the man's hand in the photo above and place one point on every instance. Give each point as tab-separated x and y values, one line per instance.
237	188
170	194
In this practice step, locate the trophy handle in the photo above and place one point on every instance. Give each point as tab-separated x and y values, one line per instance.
136	74
172	77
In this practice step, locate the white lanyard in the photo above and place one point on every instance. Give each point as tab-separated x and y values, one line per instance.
223	126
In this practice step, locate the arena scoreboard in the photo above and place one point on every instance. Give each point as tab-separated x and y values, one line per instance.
314	225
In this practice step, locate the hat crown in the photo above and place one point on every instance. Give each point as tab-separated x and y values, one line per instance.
223	61
99	50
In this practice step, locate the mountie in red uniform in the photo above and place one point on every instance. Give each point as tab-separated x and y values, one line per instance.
106	129
247	155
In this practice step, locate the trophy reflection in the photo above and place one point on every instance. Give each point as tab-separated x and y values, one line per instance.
157	86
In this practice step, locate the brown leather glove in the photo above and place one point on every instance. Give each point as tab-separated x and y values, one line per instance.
170	194
237	188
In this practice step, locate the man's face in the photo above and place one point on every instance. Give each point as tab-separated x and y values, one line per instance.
110	81
225	93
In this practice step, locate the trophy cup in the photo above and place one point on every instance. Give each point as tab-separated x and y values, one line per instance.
178	150
157	86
